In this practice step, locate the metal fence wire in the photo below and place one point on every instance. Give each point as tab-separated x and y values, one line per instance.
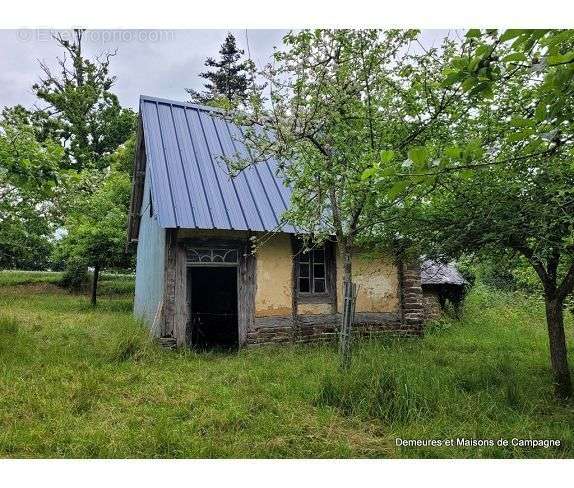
349	302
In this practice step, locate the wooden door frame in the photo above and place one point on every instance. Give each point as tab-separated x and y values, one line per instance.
245	277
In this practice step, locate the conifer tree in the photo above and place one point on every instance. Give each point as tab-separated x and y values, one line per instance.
230	78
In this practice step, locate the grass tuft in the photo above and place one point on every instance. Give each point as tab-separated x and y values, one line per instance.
85	395
8	325
390	394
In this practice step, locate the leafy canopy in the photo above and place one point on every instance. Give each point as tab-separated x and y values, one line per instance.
81	111
28	176
340	106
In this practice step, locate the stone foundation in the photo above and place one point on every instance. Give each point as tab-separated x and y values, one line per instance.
408	321
324	328
432	308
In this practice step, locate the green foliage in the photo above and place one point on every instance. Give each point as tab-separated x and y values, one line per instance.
506	272
230	79
501	184
543	61
122	159
93	385
82	111
503	179
97	225
28	176
346	110
44	184
75	276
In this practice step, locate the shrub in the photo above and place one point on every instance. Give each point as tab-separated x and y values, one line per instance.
75	275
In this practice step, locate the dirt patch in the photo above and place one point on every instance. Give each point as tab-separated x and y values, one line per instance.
33	289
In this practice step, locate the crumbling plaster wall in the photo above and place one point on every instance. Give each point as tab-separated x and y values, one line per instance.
377	278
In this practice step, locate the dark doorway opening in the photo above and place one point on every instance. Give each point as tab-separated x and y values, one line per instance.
212	296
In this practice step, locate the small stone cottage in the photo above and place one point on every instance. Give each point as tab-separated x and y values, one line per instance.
198	283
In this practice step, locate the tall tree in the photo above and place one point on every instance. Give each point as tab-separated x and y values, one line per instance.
81	110
229	81
340	103
28	176
96	225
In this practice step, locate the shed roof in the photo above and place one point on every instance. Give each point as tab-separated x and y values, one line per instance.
436	273
190	183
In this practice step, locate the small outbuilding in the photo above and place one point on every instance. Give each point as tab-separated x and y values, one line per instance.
441	283
198	280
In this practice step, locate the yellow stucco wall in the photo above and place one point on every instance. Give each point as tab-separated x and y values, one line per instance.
377	277
378	282
273	294
314	308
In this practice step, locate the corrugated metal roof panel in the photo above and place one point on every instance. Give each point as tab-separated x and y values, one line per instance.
436	273
191	185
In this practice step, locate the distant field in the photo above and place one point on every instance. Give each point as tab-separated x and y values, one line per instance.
109	283
84	382
14	278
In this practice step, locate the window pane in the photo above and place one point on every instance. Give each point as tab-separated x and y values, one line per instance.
231	256
319	271
319	255
319	285
205	255
304	270
304	285
304	257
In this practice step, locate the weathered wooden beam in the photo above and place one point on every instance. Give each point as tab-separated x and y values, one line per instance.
169	283
246	291
181	311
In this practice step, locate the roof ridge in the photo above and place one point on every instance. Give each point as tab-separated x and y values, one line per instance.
197	106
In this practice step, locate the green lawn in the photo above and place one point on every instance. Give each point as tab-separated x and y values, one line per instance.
78	382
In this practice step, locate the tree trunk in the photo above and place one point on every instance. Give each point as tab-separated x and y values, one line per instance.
558	353
95	284
348	307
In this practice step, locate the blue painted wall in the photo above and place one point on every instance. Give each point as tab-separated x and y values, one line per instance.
150	261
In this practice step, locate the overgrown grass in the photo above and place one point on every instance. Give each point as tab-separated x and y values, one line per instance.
79	382
116	284
486	377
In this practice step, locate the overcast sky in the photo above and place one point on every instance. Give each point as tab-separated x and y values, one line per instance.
160	63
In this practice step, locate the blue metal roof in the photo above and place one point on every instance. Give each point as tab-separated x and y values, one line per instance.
190	184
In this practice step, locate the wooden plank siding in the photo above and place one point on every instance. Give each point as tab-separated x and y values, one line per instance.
150	263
